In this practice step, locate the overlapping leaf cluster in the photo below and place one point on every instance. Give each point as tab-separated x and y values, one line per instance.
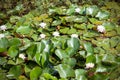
62	57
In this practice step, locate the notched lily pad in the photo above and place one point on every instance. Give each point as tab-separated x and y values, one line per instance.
24	30
103	15
92	10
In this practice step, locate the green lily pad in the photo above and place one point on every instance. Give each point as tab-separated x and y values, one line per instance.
72	31
80	26
64	70
35	73
109	26
114	41
88	47
15	72
103	15
80	74
13	51
95	21
56	23
69	61
92	10
64	31
74	43
24	30
80	19
61	53
4	44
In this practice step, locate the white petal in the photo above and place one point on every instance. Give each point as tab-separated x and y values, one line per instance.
42	35
3	27
90	65
2	36
56	33
22	56
77	10
74	35
42	24
101	28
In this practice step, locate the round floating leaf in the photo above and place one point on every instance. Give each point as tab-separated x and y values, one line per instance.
80	74
24	30
64	31
4	43
95	21
56	23
92	10
15	42
61	53
15	72
90	59
74	43
103	15
81	19
109	26
64	70
72	31
69	61
80	26
35	73
88	47
13	51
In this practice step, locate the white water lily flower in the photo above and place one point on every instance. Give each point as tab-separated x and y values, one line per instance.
77	10
42	35
3	27
42	24
74	35
101	28
90	65
2	36
22	56
56	33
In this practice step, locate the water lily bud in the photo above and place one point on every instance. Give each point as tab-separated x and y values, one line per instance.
3	27
74	35
77	10
90	65
2	36
22	56
56	33
42	35
42	24
101	28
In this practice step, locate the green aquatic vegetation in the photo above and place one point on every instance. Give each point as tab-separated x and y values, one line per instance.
74	42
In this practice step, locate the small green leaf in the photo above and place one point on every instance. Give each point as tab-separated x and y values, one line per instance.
56	23
64	31
15	42
80	74
65	70
103	15
109	26
81	19
80	26
35	73
13	51
4	43
69	61
24	30
88	47
109	58
61	53
90	59
15	72
72	31
74	43
92	10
